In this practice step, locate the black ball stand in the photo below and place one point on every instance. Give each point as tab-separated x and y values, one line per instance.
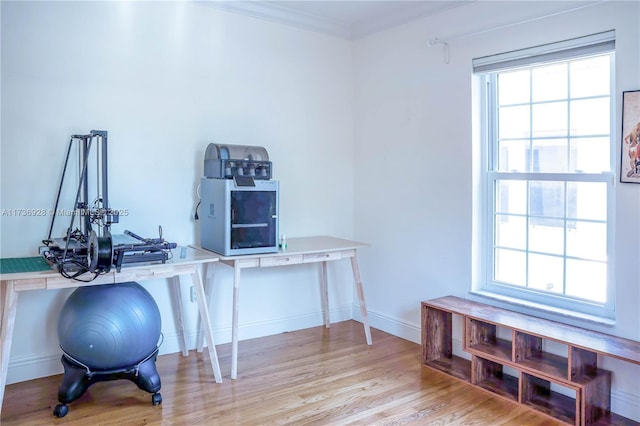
77	379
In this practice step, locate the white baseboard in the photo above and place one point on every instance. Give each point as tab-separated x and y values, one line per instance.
402	329
33	367
626	404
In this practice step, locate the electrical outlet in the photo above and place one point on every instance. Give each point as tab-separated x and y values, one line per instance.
193	294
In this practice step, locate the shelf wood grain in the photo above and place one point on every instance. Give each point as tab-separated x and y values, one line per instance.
601	343
569	387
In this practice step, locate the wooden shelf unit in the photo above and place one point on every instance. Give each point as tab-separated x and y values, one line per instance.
508	359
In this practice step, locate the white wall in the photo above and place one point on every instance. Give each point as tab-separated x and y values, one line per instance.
414	182
165	79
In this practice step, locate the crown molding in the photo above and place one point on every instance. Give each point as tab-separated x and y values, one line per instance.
289	16
282	15
404	16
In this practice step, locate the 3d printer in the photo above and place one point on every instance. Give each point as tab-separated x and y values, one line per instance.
240	202
90	247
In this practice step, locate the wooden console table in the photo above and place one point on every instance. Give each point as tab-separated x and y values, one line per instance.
508	359
299	250
11	284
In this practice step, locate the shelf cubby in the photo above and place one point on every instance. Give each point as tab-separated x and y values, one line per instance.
437	344
491	376
584	363
538	393
484	338
529	353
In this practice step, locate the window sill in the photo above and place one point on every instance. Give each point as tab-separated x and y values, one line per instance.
538	309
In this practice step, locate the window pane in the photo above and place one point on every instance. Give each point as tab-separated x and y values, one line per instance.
549	82
587	280
549	156
587	240
514	87
590	77
589	199
511	197
590	155
511	231
510	267
547	237
513	122
546	200
549	119
590	117
513	155
546	273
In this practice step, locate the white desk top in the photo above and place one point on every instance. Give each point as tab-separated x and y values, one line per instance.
302	245
192	256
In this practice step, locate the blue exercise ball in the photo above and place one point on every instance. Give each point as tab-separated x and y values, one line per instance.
109	326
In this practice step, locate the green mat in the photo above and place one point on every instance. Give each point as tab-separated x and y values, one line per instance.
23	264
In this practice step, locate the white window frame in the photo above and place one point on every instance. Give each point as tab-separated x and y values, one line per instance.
539	55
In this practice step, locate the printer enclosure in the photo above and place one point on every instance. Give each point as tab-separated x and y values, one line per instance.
237	219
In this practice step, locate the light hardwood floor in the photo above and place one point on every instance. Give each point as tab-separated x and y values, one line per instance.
313	376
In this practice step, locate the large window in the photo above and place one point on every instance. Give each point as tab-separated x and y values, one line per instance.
549	174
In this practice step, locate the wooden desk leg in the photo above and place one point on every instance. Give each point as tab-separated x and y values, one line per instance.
179	312
324	294
9	299
208	286
234	321
204	317
363	305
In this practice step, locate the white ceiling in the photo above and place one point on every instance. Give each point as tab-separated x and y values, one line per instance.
349	19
